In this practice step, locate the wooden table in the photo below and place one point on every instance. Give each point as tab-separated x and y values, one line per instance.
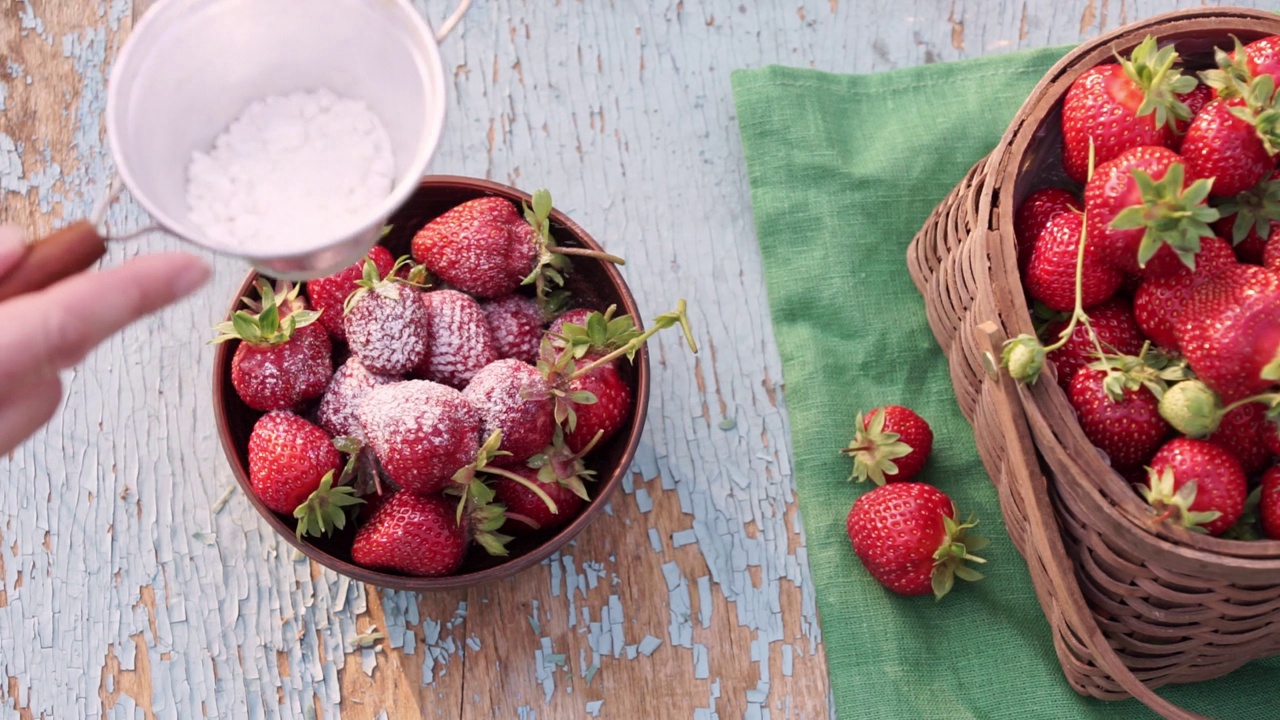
137	584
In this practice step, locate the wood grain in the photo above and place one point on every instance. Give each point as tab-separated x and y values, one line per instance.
132	586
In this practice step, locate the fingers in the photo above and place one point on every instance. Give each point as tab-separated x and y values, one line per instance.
30	407
13	244
56	327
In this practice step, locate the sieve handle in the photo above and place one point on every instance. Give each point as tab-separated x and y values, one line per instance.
62	254
452	21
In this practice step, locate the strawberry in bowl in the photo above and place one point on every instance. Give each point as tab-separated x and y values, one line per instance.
483	392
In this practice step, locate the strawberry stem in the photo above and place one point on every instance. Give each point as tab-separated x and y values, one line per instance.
532	487
661	322
583	252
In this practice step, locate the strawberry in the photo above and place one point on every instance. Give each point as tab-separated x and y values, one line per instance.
1223	144
1113	324
891	444
1034	213
1051	270
1269	503
421	432
1195	101
329	294
460	343
1117	106
1229	331
1236	69
423	536
1262	57
1271	437
906	536
599	420
513	397
352	381
1139	207
1198	483
386	323
1251	219
1159	300
1241	433
592	334
288	457
283	358
526	511
1121	419
515	324
576	316
484	247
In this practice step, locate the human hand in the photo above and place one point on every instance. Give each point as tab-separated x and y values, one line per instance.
49	330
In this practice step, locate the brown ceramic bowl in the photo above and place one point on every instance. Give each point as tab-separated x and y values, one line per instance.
593	283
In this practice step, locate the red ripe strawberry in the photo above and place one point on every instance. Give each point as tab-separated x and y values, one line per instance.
1271	437
906	536
1051	271
482	246
460	343
1117	332
891	444
1139	207
607	414
329	294
592	334
1250	219
1124	422
1222	145
513	397
1229	331
1262	57
515	324
421	432
1215	502
386	323
1269	503
1159	300
526	511
1241	433
1239	67
288	457
421	536
283	358
1271	253
1118	106
352	381
1195	101
576	316
1034	213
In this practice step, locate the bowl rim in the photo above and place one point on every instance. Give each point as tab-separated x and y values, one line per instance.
607	486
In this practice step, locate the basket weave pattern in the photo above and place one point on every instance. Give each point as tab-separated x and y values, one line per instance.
1133	605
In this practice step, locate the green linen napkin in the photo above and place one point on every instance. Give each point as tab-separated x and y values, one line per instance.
843	171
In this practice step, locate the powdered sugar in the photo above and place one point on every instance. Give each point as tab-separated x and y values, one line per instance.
460	339
498	392
515	322
422	432
389	335
352	381
289	172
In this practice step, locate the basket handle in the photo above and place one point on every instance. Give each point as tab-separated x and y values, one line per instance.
1021	470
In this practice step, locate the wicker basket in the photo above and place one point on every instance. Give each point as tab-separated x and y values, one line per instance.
1133	605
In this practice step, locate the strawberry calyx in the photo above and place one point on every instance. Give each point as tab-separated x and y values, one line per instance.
1151	68
326	508
1192	408
956	549
270	320
600	333
373	281
1262	110
874	450
560	465
553	263
469	484
1232	76
1246	528
1254	209
1150	368
633	345
486	520
1175	505
1169	215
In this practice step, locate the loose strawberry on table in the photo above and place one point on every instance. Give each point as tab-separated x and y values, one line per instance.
1197	485
459	339
907	537
386	323
421	432
891	444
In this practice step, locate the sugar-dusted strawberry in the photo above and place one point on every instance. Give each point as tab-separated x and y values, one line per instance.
512	396
1251	219
1051	270
515	324
1142	205
288	457
891	444
1229	331
1241	433
386	322
590	333
1196	484
422	536
486	248
329	294
1159	300
1194	100
1114	325
284	357
349	385
526	511
459	339
1117	106
1034	213
1123	422
422	432
1224	143
1269	503
907	537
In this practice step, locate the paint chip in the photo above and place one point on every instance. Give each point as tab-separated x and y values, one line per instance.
643	500
683	537
593	707
649	644
701	663
728	424
655	540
